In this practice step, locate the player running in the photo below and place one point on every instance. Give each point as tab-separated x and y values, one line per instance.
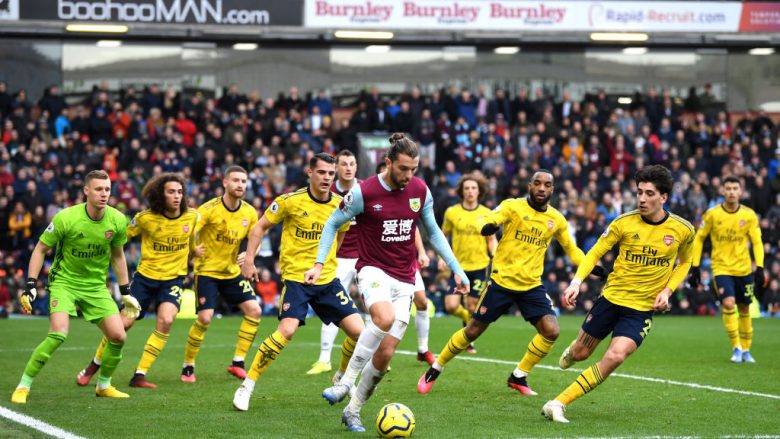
88	237
645	275
388	207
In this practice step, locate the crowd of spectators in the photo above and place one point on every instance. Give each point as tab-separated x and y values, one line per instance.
592	147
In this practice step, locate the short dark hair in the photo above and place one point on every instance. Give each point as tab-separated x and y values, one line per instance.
97	174
344	153
401	145
732	179
154	192
321	156
480	180
541	171
234	168
659	175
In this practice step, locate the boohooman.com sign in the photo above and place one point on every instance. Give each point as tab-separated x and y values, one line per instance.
226	12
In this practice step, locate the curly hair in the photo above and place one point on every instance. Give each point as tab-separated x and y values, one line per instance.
660	176
480	180
154	192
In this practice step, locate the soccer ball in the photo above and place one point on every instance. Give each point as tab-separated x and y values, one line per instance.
395	420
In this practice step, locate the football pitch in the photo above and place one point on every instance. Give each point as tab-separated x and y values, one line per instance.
679	384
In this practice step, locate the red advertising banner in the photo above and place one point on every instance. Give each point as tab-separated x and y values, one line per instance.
760	17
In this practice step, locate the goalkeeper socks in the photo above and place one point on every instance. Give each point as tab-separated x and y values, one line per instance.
422	324
99	352
587	381
266	354
369	379
347	350
194	340
731	324
328	335
154	345
538	348
745	330
462	313
43	352
111	357
246	336
366	345
455	345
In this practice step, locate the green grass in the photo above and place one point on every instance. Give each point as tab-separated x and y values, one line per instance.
470	400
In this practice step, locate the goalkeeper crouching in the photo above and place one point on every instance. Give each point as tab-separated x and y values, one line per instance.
87	237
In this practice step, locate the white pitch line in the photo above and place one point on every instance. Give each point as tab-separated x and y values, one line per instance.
621	375
37	424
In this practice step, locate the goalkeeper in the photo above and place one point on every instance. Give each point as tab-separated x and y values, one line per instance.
87	236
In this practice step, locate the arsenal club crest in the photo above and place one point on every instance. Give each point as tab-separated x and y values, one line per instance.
109	234
54	303
742	223
414	204
186	228
482	309
286	306
668	240
245	223
550	224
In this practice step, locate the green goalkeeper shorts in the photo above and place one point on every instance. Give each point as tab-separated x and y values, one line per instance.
95	305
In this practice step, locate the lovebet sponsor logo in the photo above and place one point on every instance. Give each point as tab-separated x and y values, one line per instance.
160	11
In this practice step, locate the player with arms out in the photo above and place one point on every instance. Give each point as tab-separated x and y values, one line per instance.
346	256
463	224
88	237
388	207
729	226
303	214
167	233
224	222
651	240
530	224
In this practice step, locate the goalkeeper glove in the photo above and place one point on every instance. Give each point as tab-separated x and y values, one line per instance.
132	309
29	295
489	229
600	272
761	280
695	277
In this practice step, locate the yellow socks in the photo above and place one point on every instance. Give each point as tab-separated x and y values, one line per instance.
194	340
587	381
266	354
347	349
745	331
99	352
154	345
462	313
456	344
731	324
246	336
538	348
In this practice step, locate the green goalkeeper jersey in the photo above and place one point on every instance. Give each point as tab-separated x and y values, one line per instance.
83	245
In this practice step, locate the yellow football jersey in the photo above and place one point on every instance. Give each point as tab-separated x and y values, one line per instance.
729	232
645	264
165	243
468	244
519	260
303	217
221	231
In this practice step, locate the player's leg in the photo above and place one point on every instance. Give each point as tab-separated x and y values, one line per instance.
206	289
240	291
353	326
724	286
114	330
376	287
169	301
375	370
58	331
538	309
478	280
580	349
630	327
422	321
453	303
744	297
345	272
295	299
